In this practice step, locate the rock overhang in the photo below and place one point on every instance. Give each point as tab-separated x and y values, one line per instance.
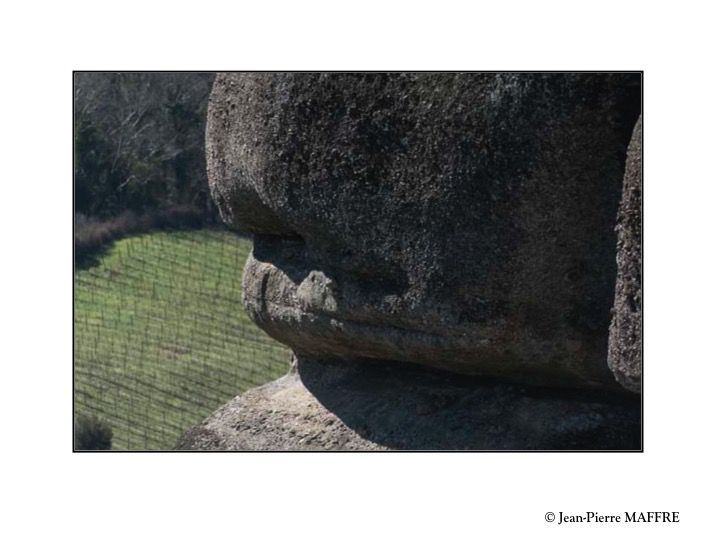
474	235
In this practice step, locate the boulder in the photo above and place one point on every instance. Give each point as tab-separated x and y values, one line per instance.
379	405
460	221
625	347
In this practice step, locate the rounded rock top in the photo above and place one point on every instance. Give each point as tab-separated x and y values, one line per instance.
463	221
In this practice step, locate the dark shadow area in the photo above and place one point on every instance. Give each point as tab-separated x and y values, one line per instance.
87	258
288	253
296	259
409	407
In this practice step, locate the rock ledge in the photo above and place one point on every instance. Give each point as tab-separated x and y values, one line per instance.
375	405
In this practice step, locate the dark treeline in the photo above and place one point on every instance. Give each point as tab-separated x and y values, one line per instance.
139	144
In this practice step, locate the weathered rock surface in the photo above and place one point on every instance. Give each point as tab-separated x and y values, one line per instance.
373	405
625	348
462	221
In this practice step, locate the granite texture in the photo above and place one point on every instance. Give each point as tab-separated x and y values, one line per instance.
625	347
461	221
375	405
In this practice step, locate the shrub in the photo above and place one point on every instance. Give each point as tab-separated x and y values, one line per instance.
92	234
92	433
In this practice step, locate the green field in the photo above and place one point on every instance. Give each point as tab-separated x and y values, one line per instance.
161	337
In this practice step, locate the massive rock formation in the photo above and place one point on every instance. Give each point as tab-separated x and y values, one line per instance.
625	349
374	405
462	221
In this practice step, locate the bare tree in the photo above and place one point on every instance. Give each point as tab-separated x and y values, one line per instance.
139	141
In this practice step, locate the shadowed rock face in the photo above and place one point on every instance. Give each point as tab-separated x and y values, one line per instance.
462	221
625	349
373	405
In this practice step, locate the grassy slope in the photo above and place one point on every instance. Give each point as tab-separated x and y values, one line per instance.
161	338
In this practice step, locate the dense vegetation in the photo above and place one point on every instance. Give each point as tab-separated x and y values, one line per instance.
161	338
92	433
139	143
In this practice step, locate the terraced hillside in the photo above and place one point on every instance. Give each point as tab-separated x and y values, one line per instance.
161	338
